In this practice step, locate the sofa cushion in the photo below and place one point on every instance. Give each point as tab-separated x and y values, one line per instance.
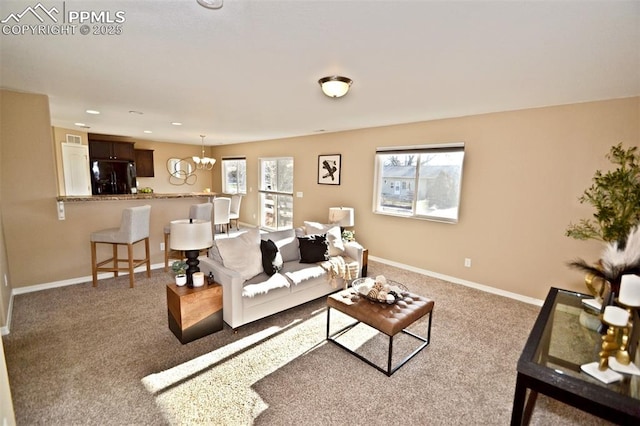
286	242
313	248
312	228
333	233
242	253
271	258
334	238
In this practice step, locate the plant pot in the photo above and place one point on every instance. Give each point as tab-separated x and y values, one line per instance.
181	279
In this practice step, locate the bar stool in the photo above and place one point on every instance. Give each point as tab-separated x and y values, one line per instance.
196	211
134	228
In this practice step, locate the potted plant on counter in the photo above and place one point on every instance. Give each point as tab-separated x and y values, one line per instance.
179	267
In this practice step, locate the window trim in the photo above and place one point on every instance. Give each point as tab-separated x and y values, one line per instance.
419	149
262	191
222	172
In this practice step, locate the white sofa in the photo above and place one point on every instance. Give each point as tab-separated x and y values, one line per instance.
250	294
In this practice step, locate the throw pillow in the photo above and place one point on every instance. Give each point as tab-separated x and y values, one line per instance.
214	253
313	248
271	258
312	228
286	242
242	253
334	238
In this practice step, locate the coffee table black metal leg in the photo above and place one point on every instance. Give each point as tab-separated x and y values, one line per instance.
519	399
390	356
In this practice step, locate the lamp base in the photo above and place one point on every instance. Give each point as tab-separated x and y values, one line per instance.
192	261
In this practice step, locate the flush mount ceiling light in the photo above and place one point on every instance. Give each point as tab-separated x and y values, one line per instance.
203	162
335	86
210	4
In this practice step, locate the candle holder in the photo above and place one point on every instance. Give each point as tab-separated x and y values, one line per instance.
609	346
629	299
616	318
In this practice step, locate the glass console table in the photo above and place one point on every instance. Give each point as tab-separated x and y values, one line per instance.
550	364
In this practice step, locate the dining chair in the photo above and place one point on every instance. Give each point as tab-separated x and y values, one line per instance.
221	210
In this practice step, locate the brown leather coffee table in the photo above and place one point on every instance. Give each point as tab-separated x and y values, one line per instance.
386	318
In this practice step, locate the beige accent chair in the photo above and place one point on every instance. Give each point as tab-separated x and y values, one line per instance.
134	228
234	210
221	211
200	211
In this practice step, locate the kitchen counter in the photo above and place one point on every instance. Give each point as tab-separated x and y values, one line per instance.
141	196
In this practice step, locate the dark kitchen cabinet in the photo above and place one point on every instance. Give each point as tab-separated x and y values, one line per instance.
104	150
144	162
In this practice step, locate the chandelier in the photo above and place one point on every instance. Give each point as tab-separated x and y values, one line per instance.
203	162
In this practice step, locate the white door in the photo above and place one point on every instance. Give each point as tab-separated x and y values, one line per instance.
75	163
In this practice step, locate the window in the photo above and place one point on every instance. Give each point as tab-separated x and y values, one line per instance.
421	182
234	175
276	193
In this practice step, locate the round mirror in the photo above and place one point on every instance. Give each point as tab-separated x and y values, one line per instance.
181	171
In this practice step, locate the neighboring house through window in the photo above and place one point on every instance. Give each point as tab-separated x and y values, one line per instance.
419	181
234	175
276	193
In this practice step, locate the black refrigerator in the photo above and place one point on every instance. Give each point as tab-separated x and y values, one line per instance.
112	177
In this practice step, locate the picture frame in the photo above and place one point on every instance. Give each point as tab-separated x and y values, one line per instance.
329	168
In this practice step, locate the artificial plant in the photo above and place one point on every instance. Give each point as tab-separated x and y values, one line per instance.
179	267
615	195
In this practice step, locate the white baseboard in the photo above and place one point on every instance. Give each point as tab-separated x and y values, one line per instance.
22	290
78	280
454	280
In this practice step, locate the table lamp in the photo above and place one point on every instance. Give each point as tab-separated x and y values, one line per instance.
343	216
191	236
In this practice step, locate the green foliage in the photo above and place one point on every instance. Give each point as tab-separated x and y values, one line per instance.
179	267
615	195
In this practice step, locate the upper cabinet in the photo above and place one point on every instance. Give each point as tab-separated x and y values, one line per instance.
144	163
107	150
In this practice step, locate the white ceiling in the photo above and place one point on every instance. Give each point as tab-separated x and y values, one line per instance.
249	70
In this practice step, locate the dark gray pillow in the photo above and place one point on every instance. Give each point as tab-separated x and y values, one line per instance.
271	259
313	248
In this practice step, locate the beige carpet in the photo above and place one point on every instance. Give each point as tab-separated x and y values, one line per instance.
83	355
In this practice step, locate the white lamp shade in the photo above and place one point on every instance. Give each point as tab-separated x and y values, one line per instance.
187	235
343	216
630	290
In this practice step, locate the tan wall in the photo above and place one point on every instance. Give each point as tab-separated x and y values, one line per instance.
40	248
523	173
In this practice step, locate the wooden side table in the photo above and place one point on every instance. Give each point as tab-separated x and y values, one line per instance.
365	262
194	312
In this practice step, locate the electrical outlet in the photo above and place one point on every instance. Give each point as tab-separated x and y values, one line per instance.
60	210
161	246
299	194
467	262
